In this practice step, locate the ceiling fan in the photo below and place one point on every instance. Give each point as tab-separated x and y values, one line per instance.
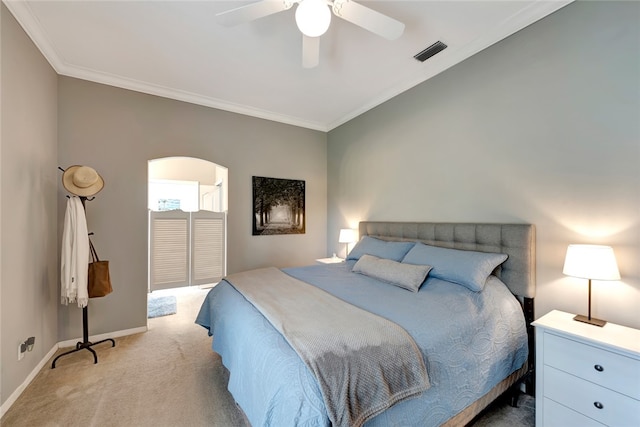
313	18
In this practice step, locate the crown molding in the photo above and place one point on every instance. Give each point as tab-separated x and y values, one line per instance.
523	18
21	10
509	26
184	96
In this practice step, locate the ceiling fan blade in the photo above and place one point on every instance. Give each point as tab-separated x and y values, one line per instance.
310	51
368	19
252	11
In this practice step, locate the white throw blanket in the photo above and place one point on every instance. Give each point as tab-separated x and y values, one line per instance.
75	255
363	362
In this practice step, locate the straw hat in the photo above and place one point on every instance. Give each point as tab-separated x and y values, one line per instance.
82	181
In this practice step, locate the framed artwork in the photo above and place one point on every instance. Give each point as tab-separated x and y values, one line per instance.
278	206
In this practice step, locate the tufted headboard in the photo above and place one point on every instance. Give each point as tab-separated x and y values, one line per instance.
518	272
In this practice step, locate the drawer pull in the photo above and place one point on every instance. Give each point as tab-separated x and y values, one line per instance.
598	368
598	405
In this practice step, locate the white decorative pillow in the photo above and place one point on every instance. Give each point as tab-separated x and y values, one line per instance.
406	276
466	268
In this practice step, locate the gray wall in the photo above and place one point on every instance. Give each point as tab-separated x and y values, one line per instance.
117	131
29	176
543	128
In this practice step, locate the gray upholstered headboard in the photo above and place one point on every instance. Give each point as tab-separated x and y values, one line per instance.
516	240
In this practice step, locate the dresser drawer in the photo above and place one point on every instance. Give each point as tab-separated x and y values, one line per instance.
584	397
611	370
556	415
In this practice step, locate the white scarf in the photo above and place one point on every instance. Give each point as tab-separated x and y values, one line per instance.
75	255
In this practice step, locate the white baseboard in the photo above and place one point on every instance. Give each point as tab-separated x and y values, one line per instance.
69	343
14	396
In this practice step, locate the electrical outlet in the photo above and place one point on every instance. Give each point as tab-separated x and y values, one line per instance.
20	352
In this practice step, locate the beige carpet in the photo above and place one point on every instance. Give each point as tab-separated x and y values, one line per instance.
168	376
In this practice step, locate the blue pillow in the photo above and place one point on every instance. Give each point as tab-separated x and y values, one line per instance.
380	248
467	268
406	276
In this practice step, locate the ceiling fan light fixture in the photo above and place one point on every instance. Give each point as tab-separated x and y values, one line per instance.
313	17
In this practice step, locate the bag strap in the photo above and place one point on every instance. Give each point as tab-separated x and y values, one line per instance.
94	254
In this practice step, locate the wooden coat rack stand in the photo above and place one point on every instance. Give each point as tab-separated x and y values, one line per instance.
85	344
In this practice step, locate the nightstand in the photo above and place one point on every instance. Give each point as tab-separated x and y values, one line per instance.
586	375
331	260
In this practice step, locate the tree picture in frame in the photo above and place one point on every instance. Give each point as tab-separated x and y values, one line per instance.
278	206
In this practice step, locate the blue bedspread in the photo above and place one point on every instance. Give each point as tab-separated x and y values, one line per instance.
470	342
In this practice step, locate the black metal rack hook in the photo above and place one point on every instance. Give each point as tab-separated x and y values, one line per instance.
83	198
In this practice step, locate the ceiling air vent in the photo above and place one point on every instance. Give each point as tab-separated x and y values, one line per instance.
430	51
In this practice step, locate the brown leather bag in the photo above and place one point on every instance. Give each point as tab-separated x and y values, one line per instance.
99	281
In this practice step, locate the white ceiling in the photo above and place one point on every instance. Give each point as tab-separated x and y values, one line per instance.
177	50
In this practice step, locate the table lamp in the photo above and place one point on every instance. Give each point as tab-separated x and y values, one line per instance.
592	262
347	235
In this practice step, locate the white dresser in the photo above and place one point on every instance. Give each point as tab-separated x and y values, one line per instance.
586	375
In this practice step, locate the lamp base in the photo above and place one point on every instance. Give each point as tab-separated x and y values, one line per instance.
592	321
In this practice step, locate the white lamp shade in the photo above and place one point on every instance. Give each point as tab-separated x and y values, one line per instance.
313	17
591	262
347	235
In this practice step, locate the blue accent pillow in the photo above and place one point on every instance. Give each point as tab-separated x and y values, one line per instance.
467	268
380	248
406	276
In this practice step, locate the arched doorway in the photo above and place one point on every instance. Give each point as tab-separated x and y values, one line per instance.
187	204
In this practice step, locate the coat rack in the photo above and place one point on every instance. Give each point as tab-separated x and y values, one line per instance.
85	344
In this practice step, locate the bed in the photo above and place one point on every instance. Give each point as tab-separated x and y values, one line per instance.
470	329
